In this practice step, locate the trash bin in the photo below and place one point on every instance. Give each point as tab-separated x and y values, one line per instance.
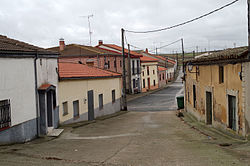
180	102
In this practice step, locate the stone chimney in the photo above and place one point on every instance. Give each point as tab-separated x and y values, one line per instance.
146	50
100	42
61	44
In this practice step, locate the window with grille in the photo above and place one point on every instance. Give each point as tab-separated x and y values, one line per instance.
5	114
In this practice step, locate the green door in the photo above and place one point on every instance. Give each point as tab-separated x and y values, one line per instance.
232	112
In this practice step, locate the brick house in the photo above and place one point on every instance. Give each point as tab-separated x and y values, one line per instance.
89	55
133	66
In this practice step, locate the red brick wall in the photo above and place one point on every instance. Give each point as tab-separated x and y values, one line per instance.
100	64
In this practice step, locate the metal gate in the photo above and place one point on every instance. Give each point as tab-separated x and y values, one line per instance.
91	114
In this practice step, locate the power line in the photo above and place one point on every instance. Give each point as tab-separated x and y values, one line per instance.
186	22
169	44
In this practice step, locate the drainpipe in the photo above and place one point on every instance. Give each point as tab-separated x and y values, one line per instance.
36	96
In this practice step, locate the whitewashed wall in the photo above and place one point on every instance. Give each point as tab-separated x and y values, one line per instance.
17	83
47	72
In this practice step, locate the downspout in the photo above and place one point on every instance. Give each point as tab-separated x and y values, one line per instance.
36	96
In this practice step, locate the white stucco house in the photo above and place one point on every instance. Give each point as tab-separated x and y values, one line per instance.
28	86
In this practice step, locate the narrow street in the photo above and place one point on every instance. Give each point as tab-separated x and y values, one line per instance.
148	135
163	100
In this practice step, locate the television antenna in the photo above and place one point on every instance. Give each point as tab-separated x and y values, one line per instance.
90	32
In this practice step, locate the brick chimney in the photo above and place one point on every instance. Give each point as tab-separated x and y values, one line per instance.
61	44
146	50
100	42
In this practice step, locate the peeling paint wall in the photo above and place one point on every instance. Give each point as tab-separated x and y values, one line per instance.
207	77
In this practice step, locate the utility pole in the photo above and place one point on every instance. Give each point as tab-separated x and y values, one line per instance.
183	54
124	97
156	51
194	54
90	32
197	49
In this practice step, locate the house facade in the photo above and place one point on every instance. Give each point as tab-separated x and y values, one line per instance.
133	66
162	76
88	55
149	74
28	98
87	92
217	91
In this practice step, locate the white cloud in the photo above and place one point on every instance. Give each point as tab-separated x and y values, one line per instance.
43	22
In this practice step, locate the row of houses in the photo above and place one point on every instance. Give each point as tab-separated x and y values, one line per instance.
217	90
43	88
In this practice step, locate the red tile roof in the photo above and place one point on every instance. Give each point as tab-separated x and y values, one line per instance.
162	68
45	86
148	59
80	71
81	50
118	48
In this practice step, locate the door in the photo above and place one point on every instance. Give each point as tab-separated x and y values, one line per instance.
232	112
50	108
91	114
148	83
194	96
76	109
209	107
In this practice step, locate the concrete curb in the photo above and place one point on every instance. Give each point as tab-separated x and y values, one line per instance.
211	131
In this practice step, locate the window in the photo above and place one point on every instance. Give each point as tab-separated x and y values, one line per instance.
5	112
153	71
143	83
100	101
221	74
120	63
76	109
154	82
114	63
163	76
138	67
113	96
133	67
148	70
143	73
160	77
65	108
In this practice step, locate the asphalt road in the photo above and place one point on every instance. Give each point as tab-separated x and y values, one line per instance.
143	137
164	100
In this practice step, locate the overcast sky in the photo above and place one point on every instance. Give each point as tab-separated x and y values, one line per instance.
43	22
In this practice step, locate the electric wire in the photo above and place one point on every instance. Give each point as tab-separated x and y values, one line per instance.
186	22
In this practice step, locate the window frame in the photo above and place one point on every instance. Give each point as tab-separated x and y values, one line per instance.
67	108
